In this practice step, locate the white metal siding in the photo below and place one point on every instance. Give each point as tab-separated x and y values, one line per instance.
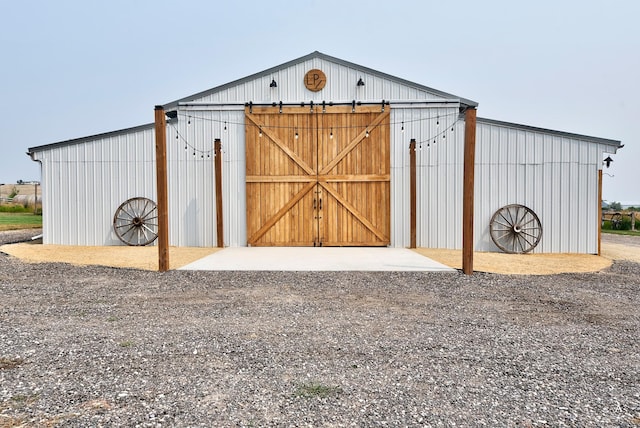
557	177
439	165
84	184
341	86
191	186
192	177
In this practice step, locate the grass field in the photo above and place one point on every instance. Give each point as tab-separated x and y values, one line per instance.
15	221
623	232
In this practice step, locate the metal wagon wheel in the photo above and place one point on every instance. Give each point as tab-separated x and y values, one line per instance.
616	219
136	221
515	229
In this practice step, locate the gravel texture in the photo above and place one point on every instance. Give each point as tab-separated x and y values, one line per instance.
97	346
15	236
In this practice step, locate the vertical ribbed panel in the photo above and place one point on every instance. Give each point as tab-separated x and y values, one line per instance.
234	193
87	182
399	160
192	214
557	177
341	86
439	161
191	185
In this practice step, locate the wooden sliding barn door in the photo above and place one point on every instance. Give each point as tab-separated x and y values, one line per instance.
318	178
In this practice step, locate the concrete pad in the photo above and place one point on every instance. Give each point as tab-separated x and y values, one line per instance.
317	259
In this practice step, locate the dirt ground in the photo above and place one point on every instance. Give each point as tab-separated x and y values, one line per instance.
115	256
614	247
96	346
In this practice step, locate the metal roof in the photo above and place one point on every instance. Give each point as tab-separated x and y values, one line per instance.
615	143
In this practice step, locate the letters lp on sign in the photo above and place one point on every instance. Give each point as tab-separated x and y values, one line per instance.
315	80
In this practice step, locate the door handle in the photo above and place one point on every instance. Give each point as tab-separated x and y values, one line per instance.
320	204
314	203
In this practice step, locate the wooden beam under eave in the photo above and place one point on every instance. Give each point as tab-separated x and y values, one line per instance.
161	186
468	189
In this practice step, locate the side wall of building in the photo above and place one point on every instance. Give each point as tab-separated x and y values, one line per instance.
555	175
83	184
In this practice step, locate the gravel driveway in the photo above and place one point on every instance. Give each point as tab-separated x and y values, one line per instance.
96	346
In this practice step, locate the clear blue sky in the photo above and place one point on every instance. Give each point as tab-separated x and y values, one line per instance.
73	68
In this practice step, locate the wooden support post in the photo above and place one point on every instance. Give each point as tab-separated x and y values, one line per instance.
412	191
633	220
218	165
161	189
468	189
599	201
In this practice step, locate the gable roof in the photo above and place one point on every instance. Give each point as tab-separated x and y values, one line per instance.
318	55
172	106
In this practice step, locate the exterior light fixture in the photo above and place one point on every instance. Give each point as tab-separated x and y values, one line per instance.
607	161
360	82
273	84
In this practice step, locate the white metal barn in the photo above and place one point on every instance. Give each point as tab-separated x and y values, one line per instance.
320	129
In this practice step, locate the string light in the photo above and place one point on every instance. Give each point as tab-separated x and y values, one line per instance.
297	135
195	151
443	133
227	123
